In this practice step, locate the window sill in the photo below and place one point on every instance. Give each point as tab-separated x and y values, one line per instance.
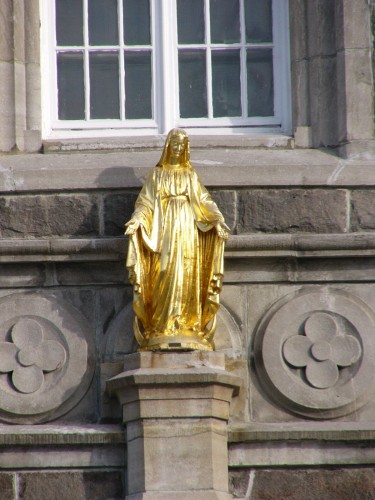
218	167
263	141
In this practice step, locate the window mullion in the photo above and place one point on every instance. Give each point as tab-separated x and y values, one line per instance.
121	58
86	58
208	59
168	62
243	60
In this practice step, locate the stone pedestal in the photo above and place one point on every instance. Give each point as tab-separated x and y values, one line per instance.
176	409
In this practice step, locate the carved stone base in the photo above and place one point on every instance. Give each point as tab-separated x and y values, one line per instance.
185	342
176	409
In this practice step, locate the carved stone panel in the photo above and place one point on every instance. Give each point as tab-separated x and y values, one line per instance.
46	358
315	353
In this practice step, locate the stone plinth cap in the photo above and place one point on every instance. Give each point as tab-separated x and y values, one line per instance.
173	369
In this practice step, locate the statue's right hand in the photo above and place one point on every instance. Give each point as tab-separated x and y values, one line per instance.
131	226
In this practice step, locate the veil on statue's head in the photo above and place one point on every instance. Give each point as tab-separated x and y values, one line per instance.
166	151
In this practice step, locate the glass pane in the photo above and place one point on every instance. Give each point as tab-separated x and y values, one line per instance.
225	21
71	93
103	29
138	85
226	84
260	82
137	22
190	21
258	20
69	22
192	78
104	85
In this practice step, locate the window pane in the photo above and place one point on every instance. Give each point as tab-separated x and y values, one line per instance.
103	29
69	22
226	87
192	78
190	21
137	22
71	95
138	85
260	82
225	21
104	85
258	20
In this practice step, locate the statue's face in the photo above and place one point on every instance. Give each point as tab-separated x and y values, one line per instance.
177	145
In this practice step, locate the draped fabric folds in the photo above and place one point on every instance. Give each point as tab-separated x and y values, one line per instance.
175	260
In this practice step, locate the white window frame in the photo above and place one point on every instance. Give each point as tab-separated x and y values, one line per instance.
165	102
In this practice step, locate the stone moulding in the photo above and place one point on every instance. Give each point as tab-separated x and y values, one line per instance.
331	375
238	246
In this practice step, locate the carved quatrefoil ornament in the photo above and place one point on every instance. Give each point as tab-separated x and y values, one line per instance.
46	358
315	354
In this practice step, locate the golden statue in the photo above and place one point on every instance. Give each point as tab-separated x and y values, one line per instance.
175	257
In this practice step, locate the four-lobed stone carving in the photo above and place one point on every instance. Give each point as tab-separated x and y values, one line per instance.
46	357
30	355
322	350
314	352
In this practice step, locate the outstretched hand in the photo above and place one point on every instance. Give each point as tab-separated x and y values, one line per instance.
131	227
222	230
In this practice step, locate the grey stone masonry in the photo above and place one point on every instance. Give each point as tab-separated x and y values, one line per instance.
292	210
258	191
337	484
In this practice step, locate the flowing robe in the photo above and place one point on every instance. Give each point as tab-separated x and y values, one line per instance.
175	257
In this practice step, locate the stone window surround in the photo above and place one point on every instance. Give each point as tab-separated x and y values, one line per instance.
331	76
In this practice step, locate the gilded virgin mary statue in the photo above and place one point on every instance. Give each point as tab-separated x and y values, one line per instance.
175	257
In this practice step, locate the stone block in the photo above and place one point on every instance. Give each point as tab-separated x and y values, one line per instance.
334	484
90	273
349	16
118	209
356	116
22	275
227	203
73	215
298	28
239	482
321	33
7	136
323	100
99	485
6	41
363	210
165	446
287	210
7	486
301	111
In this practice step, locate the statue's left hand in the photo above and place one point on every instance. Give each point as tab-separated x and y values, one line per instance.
222	230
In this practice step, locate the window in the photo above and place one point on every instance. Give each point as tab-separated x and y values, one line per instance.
144	66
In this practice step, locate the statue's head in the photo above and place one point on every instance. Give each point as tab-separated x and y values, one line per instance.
176	147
